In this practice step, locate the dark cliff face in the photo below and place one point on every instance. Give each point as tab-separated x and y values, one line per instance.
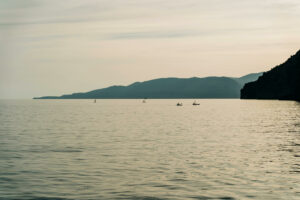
282	82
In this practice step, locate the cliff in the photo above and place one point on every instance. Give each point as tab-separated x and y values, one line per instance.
282	82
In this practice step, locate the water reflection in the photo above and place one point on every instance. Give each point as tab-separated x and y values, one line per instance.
122	149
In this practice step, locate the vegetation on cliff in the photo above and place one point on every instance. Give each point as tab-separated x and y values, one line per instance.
282	82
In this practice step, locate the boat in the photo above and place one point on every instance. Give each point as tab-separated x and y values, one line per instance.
196	104
179	104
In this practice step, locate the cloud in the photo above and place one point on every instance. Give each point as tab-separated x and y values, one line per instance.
104	39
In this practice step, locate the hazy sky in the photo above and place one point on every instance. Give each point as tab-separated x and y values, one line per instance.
54	47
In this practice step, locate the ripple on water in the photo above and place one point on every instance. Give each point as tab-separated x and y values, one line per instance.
121	149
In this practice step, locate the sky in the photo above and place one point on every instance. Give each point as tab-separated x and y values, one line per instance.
54	47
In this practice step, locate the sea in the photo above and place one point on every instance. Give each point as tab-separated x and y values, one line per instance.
126	149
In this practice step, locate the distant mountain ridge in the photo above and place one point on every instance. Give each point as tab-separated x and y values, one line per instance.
169	88
282	82
248	78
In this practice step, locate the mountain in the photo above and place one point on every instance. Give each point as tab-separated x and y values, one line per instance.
248	78
282	82
169	88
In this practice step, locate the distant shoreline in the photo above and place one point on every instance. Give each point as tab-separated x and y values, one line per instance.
170	88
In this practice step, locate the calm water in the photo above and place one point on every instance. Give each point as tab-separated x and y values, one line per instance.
126	149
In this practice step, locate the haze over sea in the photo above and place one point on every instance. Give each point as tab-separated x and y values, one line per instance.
126	149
